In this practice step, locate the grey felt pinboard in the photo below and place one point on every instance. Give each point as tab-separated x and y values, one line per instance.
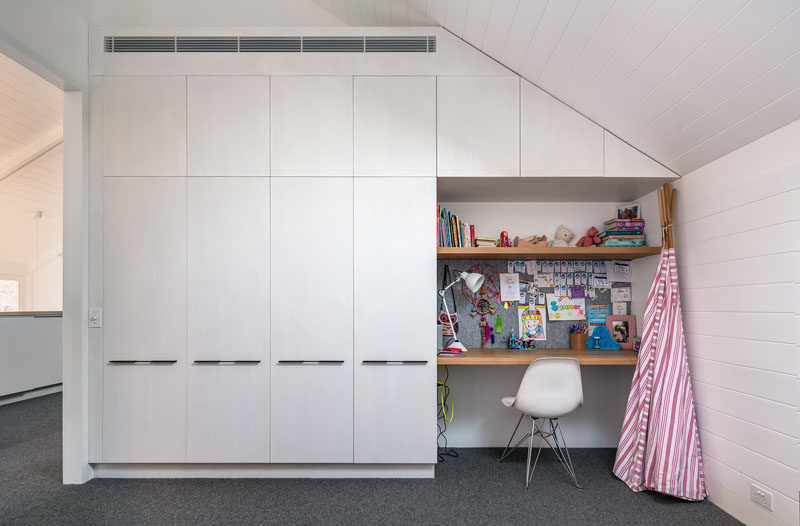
469	328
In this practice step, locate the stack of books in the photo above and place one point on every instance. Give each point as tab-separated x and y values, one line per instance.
452	232
485	242
623	233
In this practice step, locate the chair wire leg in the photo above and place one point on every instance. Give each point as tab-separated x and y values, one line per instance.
506	451
529	471
530	448
563	455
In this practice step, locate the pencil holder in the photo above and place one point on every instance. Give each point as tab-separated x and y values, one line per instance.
577	342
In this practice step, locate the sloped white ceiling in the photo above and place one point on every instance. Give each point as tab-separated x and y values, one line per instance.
685	81
31	176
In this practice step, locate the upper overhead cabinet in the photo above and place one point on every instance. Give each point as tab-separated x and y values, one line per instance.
228	126
395	126
623	160
144	126
556	140
312	125
478	126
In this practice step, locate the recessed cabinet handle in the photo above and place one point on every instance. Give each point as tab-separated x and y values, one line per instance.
394	362
310	362
142	362
227	362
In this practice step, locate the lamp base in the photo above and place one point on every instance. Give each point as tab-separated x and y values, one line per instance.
455	348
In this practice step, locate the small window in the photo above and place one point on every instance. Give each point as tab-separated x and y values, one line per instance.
9	295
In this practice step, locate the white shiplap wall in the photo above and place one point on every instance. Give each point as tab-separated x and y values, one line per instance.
737	238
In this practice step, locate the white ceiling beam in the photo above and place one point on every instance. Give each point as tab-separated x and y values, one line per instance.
31	152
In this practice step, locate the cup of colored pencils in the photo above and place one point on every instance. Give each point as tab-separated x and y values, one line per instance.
577	336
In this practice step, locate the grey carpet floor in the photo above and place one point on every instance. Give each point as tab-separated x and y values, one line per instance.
470	489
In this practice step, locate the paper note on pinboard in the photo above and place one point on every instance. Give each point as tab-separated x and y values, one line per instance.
620	294
509	287
564	308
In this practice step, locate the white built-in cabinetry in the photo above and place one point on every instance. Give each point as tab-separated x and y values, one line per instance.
144	126
556	140
228	319
394	126
312	319
227	127
312	125
478	126
395	301
144	268
268	254
144	347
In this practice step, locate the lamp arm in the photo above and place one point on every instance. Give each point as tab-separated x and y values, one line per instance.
446	310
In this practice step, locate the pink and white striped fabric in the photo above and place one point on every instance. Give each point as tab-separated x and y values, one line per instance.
659	448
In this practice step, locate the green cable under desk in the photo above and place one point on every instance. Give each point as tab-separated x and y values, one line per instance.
495	356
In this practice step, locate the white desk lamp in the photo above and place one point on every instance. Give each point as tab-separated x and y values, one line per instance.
474	281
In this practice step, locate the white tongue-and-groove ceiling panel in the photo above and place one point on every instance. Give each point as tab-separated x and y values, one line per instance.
31	175
685	81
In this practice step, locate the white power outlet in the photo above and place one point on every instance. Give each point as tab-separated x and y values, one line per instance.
761	497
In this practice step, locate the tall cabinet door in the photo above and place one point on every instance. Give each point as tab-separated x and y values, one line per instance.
394	126
395	320
228	319
144	335
312	319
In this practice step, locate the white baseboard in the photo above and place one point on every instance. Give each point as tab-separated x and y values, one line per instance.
33	393
399	471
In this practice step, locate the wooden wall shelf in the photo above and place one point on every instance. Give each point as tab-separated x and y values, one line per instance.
604	253
506	357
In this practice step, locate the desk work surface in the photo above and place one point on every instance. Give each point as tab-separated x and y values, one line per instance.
496	356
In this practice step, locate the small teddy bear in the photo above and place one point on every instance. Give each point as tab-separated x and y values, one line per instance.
562	238
590	239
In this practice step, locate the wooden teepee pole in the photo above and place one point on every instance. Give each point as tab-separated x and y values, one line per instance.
666	205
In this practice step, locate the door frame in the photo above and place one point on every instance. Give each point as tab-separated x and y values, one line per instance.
75	351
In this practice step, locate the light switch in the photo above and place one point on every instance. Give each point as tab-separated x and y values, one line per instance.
95	318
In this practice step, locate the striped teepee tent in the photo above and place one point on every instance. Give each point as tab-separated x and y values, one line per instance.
659	448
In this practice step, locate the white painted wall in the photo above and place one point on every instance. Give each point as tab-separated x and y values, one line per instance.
737	231
43	282
480	420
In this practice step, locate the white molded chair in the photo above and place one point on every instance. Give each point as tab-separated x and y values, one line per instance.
550	388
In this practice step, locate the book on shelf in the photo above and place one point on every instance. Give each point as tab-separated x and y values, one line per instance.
624	225
485	242
605	236
623	243
452	231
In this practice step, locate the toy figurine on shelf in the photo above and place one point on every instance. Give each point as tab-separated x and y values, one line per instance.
518	344
513	343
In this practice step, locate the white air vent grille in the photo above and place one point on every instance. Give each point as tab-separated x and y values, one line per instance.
207	44
270	44
396	45
139	44
333	44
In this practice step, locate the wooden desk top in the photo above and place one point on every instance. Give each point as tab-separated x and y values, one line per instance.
525	357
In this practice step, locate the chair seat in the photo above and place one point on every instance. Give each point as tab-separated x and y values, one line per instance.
508	401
